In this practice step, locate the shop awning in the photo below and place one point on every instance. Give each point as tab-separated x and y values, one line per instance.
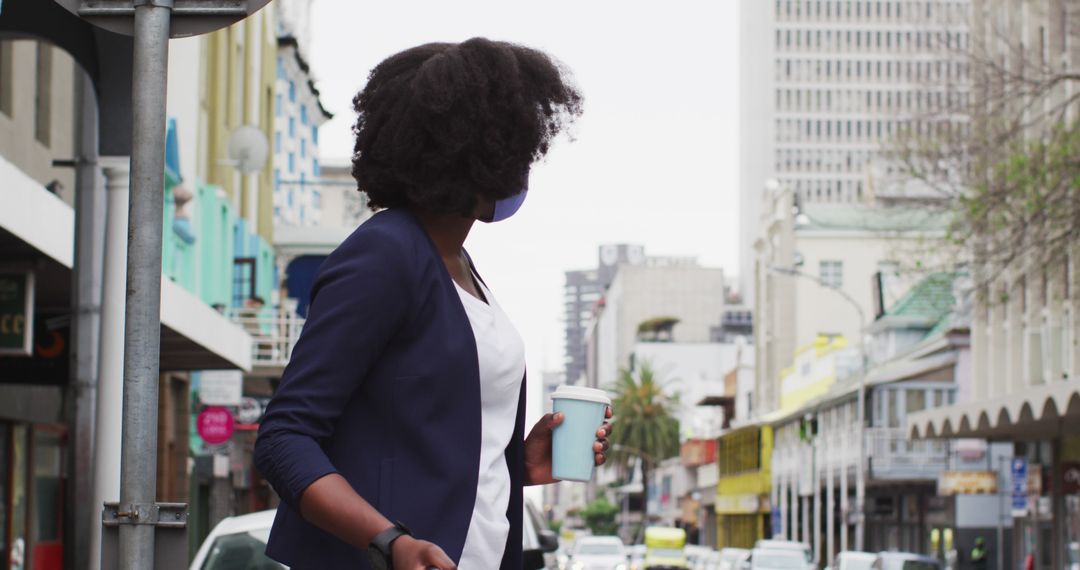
1032	412
34	223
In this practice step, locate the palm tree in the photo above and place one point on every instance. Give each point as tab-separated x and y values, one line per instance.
644	427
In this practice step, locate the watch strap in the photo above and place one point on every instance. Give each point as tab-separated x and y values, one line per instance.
383	542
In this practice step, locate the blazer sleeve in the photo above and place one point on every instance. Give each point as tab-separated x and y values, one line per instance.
359	301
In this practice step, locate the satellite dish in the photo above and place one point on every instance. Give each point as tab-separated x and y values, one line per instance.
189	17
248	149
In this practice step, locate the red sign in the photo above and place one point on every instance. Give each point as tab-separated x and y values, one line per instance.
215	425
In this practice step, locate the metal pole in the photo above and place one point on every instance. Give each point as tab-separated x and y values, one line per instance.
89	271
1001	513
142	342
860	467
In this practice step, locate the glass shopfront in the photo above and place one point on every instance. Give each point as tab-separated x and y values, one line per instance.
31	496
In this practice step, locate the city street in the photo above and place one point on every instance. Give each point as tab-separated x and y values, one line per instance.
796	285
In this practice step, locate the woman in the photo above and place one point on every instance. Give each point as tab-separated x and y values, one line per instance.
396	438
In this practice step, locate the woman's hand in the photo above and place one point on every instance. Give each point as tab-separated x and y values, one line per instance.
538	447
413	554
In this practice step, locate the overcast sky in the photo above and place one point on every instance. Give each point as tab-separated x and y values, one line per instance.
655	156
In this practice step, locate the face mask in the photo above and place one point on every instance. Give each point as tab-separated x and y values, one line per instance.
507	207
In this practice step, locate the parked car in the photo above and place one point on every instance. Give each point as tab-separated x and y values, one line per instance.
733	558
853	560
599	553
905	561
539	543
778	559
238	543
695	555
771	544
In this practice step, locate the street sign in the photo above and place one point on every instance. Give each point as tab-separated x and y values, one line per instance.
221	387
189	17
215	425
1019	470
17	314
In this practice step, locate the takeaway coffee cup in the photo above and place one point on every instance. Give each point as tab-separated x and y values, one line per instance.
572	455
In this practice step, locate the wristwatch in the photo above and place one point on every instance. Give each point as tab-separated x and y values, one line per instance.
380	551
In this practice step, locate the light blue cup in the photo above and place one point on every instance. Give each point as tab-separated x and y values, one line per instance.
572	455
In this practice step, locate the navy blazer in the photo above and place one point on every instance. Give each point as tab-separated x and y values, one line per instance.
383	388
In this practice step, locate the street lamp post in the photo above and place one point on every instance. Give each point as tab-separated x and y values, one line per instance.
860	467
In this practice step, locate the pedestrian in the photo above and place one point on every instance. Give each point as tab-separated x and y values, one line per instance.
396	438
978	554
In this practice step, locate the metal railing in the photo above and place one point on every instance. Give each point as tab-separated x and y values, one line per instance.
892	454
274	332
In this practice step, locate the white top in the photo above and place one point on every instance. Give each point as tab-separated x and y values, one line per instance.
501	355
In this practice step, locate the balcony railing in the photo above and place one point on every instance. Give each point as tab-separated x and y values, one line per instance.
274	332
893	456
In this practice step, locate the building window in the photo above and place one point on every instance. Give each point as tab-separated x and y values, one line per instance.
281	67
292	91
292	163
7	63
315	167
303	114
43	93
316	199
303	148
832	273
292	127
314	134
278	105
277	140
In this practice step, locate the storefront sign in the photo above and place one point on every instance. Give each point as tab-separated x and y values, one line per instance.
215	425
249	412
221	387
967	483
16	314
738	504
1070	478
1019	468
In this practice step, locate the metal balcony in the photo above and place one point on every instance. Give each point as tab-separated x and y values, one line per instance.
892	456
274	332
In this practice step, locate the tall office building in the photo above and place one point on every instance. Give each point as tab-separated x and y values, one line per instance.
583	290
825	85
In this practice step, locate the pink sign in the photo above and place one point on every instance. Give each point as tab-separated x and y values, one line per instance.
215	425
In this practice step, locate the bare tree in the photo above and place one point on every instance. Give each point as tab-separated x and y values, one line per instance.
1004	155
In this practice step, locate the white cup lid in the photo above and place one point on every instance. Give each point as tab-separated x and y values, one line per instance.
581	393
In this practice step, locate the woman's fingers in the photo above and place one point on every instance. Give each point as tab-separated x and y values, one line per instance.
600	458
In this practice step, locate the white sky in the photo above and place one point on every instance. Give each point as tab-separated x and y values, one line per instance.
655	157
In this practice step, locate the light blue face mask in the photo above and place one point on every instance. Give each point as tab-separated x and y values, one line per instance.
507	207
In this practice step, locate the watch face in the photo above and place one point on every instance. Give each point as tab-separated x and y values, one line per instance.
377	558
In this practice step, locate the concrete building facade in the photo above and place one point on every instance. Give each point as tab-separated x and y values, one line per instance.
582	291
659	288
825	85
1025	325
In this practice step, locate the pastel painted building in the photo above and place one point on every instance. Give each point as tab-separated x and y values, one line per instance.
298	113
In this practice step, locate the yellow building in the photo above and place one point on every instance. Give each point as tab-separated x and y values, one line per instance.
237	88
814	370
743	508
